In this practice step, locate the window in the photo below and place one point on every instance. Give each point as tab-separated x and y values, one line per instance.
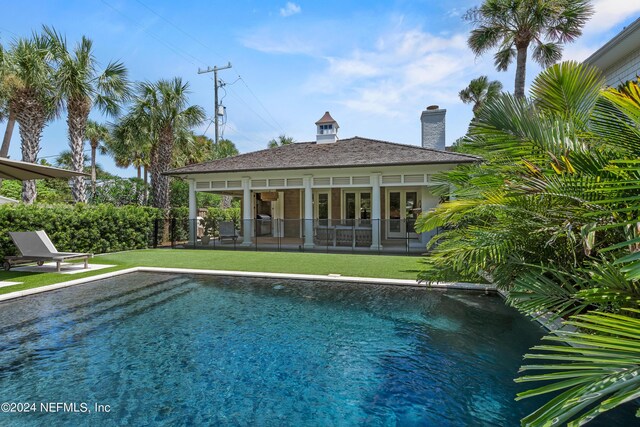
325	129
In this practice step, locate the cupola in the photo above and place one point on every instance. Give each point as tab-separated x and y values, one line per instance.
327	129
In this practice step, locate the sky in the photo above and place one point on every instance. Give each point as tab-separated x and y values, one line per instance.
374	65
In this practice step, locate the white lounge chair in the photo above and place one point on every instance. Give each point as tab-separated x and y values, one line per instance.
35	246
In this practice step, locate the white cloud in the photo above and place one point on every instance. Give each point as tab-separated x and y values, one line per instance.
288	44
290	9
404	69
609	13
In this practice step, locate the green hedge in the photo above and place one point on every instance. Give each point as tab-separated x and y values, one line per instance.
80	228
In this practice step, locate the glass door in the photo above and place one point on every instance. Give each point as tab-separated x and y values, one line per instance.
411	211
395	218
404	208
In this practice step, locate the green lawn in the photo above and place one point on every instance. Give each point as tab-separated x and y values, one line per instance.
395	267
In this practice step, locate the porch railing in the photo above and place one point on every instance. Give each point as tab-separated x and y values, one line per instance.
339	236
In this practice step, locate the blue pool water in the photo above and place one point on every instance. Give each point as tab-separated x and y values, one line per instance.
164	349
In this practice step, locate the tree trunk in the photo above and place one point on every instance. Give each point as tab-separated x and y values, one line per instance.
78	112
94	147
6	141
8	132
146	185
32	118
521	70
163	163
226	202
139	171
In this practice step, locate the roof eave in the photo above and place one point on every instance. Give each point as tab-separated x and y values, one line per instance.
176	172
596	57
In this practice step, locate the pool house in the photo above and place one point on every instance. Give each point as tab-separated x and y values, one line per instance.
355	194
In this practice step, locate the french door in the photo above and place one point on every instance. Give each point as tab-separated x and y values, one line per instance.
403	208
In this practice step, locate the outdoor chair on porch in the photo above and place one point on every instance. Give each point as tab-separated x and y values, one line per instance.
228	230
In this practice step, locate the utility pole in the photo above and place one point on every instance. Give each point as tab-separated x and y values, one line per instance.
216	85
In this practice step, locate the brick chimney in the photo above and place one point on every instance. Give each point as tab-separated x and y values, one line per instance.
433	121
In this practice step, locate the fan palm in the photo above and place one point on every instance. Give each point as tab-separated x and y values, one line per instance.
96	134
552	216
514	26
479	92
83	86
29	87
224	148
161	115
280	141
599	370
130	145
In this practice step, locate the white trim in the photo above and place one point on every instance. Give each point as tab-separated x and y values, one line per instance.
313	277
336	178
316	202
403	203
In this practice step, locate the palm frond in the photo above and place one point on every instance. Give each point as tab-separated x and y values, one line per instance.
596	366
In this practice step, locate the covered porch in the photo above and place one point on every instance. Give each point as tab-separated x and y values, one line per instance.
375	212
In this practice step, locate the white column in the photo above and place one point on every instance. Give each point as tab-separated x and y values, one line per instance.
375	211
193	212
247	214
426	203
308	212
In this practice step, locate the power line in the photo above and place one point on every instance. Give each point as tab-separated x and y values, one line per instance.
209	48
236	131
182	53
175	49
233	92
178	28
260	103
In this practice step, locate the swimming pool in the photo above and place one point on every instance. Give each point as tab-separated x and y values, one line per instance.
167	349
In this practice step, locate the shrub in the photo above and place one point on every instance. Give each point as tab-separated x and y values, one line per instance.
80	228
219	214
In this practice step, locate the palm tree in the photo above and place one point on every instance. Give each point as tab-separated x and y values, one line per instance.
551	215
130	145
280	141
83	87
96	133
479	92
65	160
513	26
28	85
224	148
161	114
200	148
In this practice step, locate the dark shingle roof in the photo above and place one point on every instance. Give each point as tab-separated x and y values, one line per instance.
326	119
352	152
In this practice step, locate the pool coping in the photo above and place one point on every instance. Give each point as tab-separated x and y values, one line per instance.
234	273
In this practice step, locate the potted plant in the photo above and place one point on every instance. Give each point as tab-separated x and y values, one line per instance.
207	226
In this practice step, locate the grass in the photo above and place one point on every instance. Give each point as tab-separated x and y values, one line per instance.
393	267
